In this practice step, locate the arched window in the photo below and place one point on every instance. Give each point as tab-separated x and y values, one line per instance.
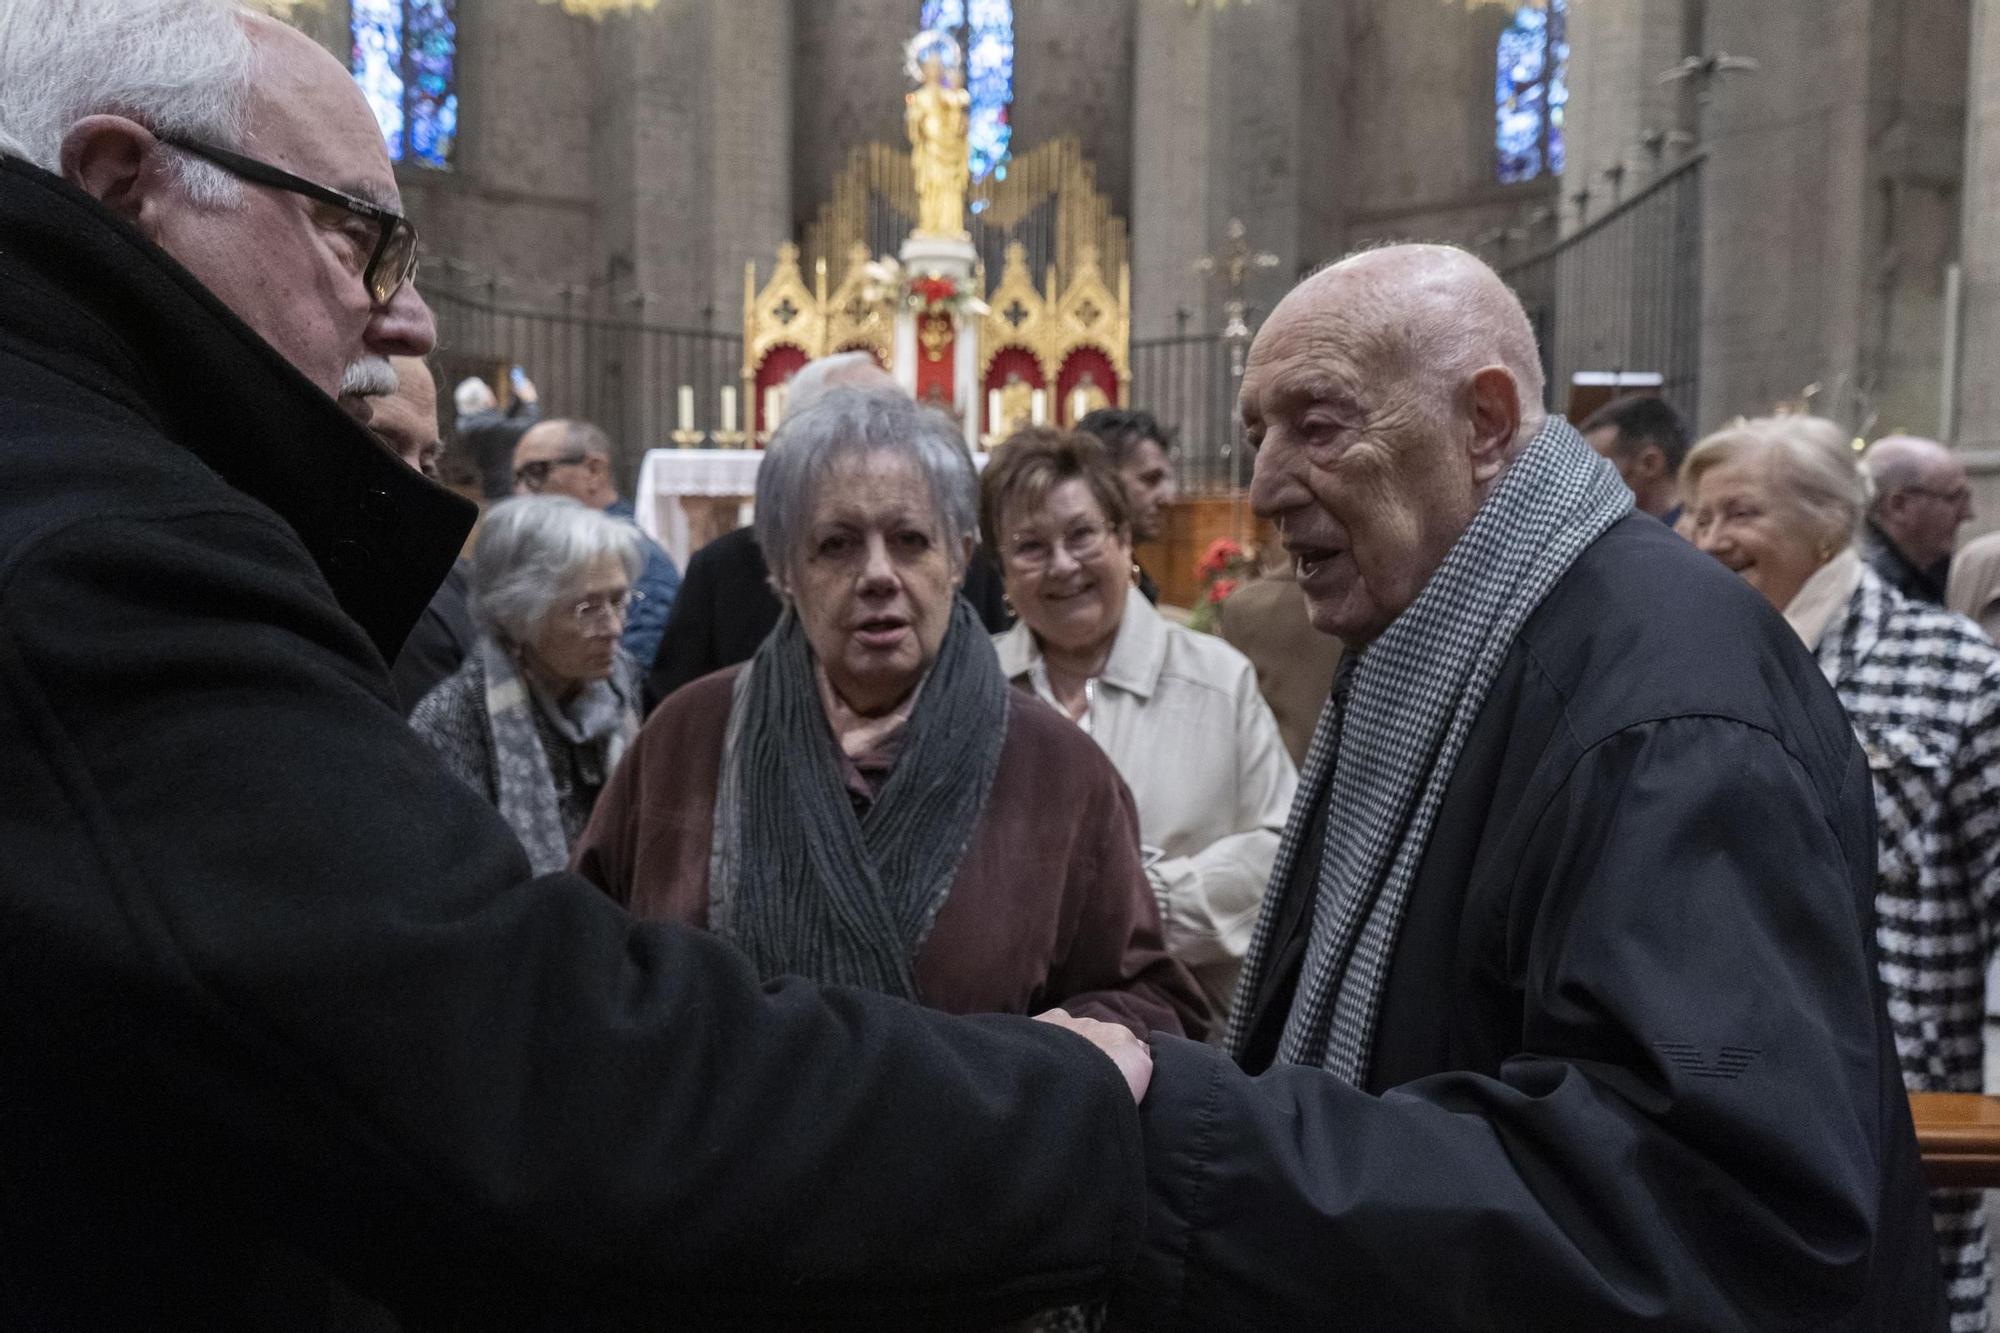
405	59
1531	90
985	28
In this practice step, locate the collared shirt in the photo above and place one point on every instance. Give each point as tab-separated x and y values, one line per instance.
1180	715
660	583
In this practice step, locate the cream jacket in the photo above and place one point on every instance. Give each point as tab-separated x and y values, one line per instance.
1181	717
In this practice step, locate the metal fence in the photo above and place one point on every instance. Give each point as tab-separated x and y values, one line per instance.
1188	382
623	375
1623	294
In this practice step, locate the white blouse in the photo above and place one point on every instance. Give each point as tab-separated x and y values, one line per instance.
1180	716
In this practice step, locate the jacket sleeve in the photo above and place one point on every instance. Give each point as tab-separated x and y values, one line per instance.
1972	801
272	937
660	583
1691	1133
1116	967
1209	901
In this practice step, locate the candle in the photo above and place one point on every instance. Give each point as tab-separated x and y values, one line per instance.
994	425
1079	406
771	409
687	407
728	408
1038	408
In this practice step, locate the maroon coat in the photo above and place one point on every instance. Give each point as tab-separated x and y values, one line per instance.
1050	907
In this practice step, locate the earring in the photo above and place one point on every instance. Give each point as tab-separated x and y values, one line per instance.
1137	573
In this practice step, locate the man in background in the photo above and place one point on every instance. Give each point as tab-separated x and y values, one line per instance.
407	422
491	432
1645	439
573	458
1139	448
1922	499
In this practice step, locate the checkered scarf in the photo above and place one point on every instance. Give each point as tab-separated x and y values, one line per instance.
1384	760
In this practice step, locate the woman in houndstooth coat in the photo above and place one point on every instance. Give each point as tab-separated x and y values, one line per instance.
1778	500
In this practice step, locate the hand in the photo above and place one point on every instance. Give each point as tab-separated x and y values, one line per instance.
1132	1056
524	389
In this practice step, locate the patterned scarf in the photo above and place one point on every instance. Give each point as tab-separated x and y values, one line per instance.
798	880
1384	762
601	715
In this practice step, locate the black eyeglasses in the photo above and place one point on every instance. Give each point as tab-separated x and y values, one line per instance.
535	475
394	259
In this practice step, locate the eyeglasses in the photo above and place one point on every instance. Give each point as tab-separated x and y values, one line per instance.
535	475
612	610
1084	542
393	260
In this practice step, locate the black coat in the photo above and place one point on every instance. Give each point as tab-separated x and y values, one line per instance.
1633	1069
279	1001
438	642
726	607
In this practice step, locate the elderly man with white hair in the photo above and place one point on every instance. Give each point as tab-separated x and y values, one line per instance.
1922	498
1561	1013
286	1019
726	604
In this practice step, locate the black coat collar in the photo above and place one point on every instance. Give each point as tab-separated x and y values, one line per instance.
84	294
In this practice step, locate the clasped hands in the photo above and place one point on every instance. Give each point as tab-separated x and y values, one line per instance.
1132	1056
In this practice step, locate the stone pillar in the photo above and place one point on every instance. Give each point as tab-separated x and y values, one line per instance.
1173	164
1978	368
1623	125
1828	193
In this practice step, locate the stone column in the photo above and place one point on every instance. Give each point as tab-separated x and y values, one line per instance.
1623	125
1978	368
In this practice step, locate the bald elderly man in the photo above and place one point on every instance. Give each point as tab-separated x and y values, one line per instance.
287	1025
1922	499
1561	1013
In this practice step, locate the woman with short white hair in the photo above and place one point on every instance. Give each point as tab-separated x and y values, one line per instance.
542	710
867	802
1781	501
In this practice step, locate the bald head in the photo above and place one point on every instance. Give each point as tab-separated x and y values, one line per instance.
1384	397
842	370
1922	496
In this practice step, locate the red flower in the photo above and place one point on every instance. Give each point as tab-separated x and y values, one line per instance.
934	291
1220	589
1221	553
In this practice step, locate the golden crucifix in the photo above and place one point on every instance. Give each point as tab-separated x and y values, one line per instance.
1235	263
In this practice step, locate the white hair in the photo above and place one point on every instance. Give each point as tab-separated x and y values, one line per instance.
862	424
531	553
473	396
815	379
1814	477
175	66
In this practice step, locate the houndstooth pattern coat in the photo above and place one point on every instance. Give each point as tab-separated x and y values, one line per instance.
1922	687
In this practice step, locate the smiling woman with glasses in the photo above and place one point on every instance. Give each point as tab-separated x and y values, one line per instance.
391	255
544	707
1179	713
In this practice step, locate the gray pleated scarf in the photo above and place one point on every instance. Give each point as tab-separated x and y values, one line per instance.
798	880
1384	761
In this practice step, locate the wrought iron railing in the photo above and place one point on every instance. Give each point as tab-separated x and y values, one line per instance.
1623	294
624	375
1188	383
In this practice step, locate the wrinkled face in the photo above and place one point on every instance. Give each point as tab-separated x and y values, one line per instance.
1067	570
1368	476
1739	519
1934	513
406	420
1148	475
546	463
577	641
291	268
874	580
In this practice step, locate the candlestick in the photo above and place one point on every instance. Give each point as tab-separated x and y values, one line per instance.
771	408
995	427
728	408
1038	408
1079	405
687	407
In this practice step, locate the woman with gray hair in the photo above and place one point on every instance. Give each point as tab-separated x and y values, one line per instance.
542	710
1781	501
866	801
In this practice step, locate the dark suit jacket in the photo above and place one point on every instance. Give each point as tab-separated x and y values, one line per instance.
438	642
1633	1068
280	1002
726	606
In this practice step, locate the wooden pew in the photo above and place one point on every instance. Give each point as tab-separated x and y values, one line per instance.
1959	1136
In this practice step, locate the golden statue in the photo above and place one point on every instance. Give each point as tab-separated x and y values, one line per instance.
938	117
1017	405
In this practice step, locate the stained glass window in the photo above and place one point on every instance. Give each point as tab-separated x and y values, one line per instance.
404	57
1531	91
986	29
